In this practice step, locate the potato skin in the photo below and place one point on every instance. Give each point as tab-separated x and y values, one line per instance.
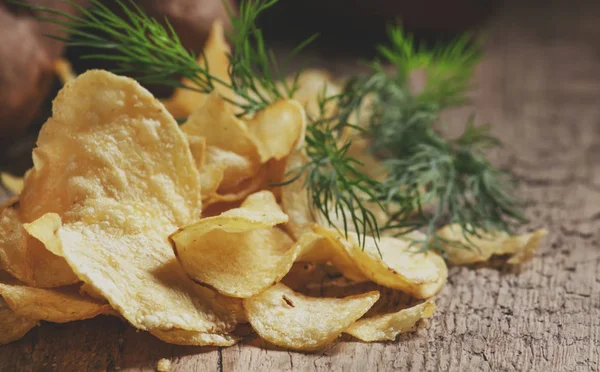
26	59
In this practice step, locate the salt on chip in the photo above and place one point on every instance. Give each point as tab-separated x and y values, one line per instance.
387	327
292	320
12	183
393	263
279	129
132	182
257	254
463	249
13	326
215	58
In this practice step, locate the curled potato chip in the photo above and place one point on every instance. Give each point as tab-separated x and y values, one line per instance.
278	129
215	58
13	326
181	337
58	305
291	320
230	161
12	183
386	327
25	257
471	249
258	255
393	264
132	182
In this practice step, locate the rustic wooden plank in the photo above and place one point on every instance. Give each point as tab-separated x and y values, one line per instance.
540	86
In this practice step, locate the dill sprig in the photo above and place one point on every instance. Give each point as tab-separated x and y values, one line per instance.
153	53
333	179
453	176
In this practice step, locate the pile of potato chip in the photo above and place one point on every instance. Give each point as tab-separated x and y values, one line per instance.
178	230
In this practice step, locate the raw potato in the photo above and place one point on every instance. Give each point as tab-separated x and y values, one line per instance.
13	326
291	320
472	249
387	327
132	181
393	264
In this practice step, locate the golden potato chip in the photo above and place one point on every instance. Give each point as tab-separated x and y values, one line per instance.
163	365
216	50
468	248
13	326
291	320
181	337
386	327
295	200
324	250
279	129
58	305
258	255
230	161
25	257
393	264
64	70
132	182
312	85
12	183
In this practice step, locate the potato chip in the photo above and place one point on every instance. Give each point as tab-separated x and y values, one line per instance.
181	337
58	305
257	254
163	365
295	200
312	85
64	70
13	326
469	248
324	250
231	160
12	183
387	327
216	50
25	257
279	129
393	264
132	182
291	320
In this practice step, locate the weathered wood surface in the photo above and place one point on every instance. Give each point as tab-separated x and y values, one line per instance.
540	87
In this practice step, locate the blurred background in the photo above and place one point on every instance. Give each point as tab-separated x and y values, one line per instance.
348	30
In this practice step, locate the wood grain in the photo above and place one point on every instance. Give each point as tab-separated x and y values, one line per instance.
540	87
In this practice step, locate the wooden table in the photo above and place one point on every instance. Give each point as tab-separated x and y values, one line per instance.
540	87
